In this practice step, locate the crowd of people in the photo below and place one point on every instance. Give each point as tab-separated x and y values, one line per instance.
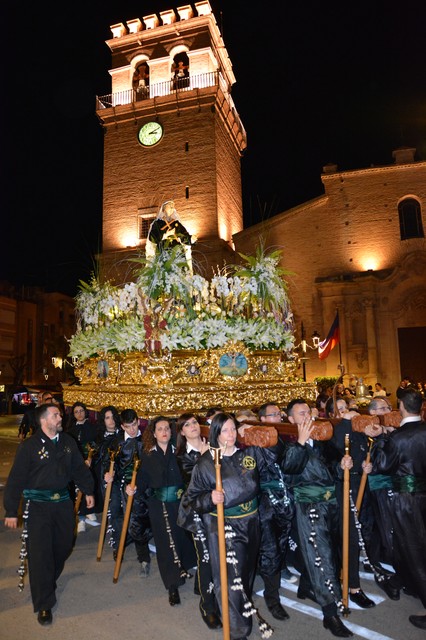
281	504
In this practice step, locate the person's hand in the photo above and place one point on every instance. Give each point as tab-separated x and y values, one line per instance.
88	462
305	430
11	523
346	462
373	430
218	497
367	467
130	490
90	501
205	446
109	477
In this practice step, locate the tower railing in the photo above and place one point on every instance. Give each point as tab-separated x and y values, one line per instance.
175	85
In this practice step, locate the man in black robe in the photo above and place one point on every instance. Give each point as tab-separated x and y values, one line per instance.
44	466
402	455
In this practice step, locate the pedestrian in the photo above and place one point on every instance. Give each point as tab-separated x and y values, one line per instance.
43	467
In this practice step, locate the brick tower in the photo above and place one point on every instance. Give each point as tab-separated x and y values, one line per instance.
171	72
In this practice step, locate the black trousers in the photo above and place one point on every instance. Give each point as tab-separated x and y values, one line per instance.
50	542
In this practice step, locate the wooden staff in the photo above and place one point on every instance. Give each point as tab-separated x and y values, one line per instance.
123	536
79	497
222	550
363	479
112	456
345	542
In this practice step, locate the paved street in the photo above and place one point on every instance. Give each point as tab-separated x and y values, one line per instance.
91	607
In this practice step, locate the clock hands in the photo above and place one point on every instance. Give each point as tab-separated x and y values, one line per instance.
154	131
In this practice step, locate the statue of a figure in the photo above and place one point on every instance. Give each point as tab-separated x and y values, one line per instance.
167	231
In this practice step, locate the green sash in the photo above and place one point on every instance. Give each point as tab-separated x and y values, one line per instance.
314	494
46	495
273	485
379	482
240	510
169	494
408	484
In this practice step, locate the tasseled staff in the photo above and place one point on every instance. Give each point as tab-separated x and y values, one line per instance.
126	520
112	456
363	479
222	549
345	542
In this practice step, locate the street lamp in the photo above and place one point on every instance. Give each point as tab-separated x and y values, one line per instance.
305	346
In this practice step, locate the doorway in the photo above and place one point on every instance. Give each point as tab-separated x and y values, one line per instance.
412	352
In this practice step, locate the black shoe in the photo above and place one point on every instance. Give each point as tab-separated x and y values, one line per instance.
367	567
174	597
337	627
278	611
361	600
302	594
391	591
196	588
418	621
45	617
212	620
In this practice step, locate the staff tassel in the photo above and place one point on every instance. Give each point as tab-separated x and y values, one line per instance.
112	455
79	492
363	479
126	520
345	541
222	550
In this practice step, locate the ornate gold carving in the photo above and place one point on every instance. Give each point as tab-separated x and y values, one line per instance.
164	385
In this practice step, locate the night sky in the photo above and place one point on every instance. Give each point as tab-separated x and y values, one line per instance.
317	82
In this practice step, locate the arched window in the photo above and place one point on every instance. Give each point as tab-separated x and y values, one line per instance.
410	219
180	71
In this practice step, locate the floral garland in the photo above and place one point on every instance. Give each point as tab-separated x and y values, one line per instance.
246	303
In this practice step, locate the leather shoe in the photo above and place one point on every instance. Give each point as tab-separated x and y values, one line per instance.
174	597
302	594
418	621
278	611
361	599
391	591
337	627
212	620
44	617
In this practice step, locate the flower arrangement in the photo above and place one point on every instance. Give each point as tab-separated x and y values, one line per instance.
181	310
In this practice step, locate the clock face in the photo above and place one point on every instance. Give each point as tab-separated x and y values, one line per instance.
150	134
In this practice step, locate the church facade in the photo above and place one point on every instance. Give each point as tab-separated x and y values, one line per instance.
359	249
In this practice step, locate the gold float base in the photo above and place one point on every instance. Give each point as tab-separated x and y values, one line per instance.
188	381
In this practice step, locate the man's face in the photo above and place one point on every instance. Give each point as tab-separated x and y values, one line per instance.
131	428
381	409
299	413
273	414
52	422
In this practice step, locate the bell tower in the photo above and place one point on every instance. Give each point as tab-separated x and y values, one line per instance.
171	133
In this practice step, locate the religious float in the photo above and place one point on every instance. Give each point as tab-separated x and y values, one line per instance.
172	341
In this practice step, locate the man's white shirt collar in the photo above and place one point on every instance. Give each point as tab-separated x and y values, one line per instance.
411	419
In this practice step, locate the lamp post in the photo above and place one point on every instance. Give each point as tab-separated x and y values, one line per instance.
305	346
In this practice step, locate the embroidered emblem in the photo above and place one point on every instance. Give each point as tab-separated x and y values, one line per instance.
43	453
249	463
55	496
247	506
327	495
179	493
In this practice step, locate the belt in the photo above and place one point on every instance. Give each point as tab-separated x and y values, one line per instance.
379	482
46	495
240	510
169	494
314	494
408	484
